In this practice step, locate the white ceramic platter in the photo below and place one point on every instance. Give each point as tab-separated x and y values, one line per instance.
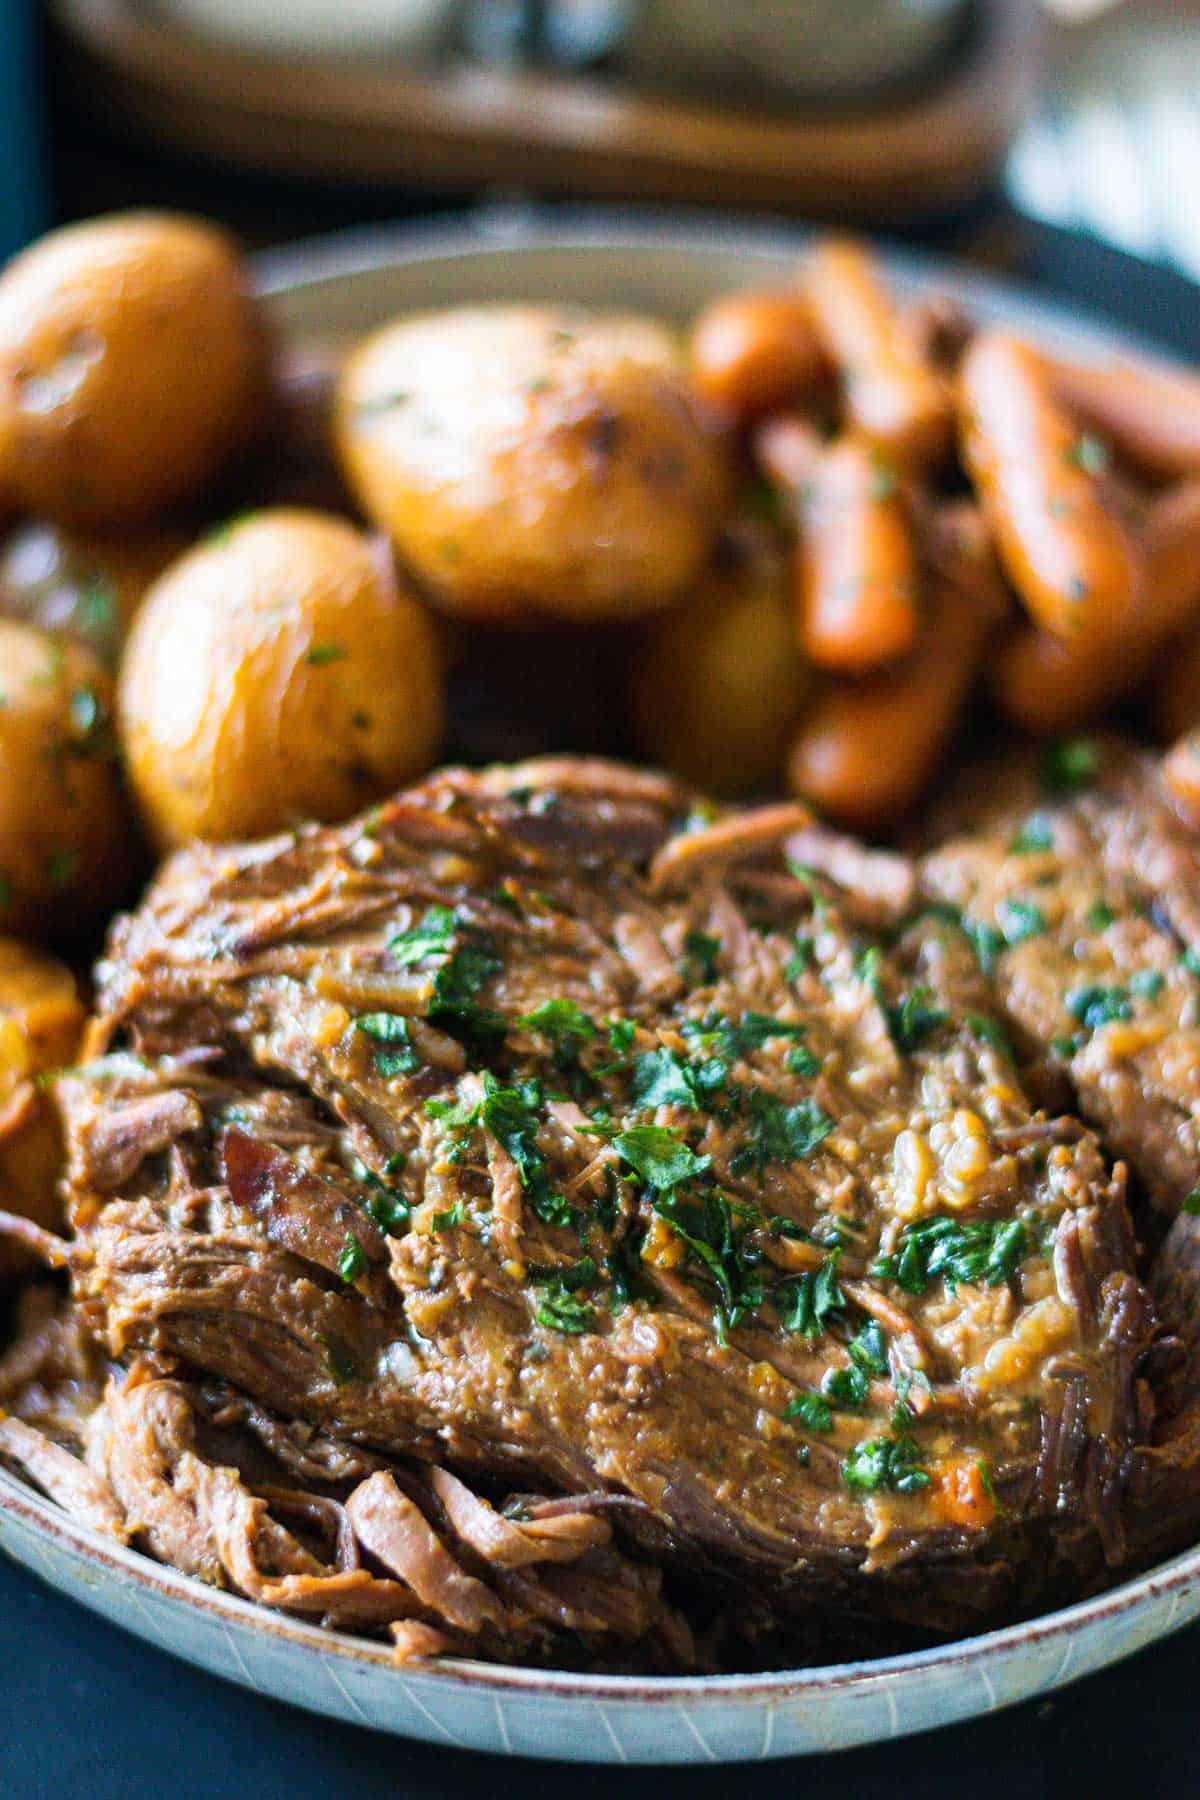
332	290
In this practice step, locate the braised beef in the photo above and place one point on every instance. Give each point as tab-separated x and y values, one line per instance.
1080	887
552	1130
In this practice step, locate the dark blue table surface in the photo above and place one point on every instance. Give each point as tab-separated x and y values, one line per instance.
90	1713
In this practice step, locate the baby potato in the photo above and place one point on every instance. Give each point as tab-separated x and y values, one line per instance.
276	673
65	837
132	367
534	460
718	683
86	588
41	1018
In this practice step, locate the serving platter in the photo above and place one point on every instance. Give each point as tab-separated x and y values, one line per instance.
330	291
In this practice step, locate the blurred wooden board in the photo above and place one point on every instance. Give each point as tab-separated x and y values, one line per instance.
459	126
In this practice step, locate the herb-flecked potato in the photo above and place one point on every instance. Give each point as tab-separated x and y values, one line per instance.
65	829
41	1018
531	460
276	673
86	587
718	682
132	367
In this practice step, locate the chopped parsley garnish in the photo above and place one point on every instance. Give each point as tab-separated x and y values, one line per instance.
803	956
986	1250
389	1209
811	1410
1071	764
914	1019
353	1261
394	1031
559	1307
911	1020
986	942
1095	1005
849	1387
1100	916
559	1019
454	988
992	1033
658	1157
451	1218
801	1061
455	1115
1191	1204
735	1038
755	1029
621	1033
1035	835
867	1351
568	1028
1147	984
700	953
511	1114
1020	919
715	1231
560	1310
779	1133
661	1078
434	936
1088	453
891	1463
809	1299
320	654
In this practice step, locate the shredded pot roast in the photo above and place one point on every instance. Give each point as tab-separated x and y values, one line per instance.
552	1219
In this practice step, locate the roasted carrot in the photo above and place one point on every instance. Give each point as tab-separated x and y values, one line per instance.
1044	683
1063	547
893	396
754	352
1151	415
867	748
856	564
786	449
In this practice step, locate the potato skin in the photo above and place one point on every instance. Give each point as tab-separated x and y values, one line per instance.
65	828
275	674
86	588
717	684
132	367
531	460
41	1018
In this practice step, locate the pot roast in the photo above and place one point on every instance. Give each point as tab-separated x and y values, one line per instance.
550	1213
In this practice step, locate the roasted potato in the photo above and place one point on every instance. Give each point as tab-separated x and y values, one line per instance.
65	829
276	673
41	1018
132	367
530	460
86	588
718	683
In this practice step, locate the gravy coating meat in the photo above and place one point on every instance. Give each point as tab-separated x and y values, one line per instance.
1079	885
549	1125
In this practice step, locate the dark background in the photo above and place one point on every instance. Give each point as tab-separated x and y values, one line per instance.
90	1713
